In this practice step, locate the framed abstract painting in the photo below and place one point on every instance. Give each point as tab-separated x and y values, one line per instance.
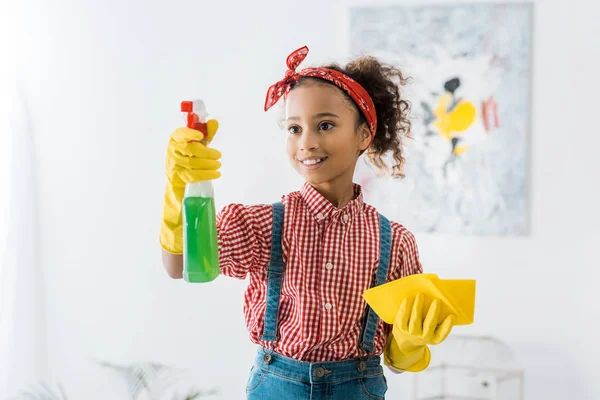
469	90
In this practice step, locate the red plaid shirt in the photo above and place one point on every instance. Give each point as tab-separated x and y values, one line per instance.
331	256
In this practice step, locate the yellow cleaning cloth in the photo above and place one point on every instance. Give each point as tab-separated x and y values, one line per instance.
457	297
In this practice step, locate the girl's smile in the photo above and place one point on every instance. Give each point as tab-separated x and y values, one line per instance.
312	163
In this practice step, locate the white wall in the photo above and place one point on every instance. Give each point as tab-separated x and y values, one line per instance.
104	81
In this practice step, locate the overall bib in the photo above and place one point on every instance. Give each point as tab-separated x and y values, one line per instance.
276	377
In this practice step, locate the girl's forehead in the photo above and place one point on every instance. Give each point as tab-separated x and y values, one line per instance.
315	98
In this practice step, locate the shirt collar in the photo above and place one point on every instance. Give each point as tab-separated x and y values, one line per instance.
321	208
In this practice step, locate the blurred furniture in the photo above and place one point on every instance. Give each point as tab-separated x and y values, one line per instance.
470	368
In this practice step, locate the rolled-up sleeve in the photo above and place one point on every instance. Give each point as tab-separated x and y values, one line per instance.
409	256
405	253
244	235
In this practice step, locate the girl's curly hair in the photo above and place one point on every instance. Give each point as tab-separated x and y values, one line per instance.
383	82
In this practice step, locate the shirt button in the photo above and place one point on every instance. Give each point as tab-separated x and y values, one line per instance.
320	216
329	266
328	306
346	218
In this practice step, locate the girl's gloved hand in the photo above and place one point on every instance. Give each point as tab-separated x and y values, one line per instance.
407	347
188	160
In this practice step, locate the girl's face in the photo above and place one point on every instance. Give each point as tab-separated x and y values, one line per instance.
323	143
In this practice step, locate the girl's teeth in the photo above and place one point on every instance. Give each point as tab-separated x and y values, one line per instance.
312	162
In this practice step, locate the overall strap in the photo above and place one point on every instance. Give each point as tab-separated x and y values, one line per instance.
275	270
369	329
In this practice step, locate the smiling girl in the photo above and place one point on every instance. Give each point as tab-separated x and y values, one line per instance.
311	256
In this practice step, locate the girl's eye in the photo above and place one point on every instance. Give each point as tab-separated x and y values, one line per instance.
294	129
325	126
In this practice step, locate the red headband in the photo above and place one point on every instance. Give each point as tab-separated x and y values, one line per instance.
349	85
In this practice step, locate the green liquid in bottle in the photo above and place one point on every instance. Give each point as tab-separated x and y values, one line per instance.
200	246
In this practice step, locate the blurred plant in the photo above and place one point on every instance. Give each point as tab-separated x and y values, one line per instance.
150	381
42	391
153	380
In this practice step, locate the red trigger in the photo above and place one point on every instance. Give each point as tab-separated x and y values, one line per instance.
193	121
202	127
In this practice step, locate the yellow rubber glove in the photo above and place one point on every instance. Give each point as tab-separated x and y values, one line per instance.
412	332
188	160
416	361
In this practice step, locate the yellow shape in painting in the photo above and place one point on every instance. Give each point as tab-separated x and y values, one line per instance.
458	150
457	120
443	118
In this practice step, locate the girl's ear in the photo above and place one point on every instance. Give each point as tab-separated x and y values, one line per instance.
365	137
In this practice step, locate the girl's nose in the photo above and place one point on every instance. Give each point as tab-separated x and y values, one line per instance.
309	141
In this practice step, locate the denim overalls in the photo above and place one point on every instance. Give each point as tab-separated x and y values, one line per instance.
274	376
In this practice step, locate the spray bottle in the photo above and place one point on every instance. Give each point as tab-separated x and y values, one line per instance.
200	246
